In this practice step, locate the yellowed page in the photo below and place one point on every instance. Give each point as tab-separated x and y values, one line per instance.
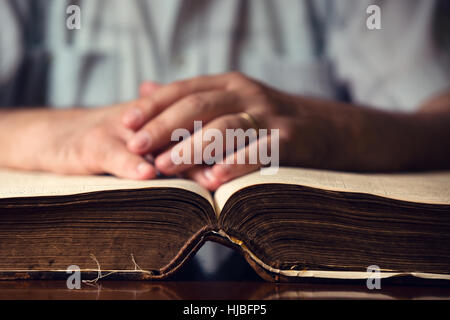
432	187
326	274
14	184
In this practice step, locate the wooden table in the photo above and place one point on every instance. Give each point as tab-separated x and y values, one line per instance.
212	290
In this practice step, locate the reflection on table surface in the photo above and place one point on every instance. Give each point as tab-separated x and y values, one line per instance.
213	290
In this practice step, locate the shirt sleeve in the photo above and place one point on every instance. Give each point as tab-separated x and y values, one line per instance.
397	67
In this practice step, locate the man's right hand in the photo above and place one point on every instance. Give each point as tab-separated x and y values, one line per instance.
75	141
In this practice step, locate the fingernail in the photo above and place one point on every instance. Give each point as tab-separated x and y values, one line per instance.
141	141
132	117
144	168
164	161
209	175
222	172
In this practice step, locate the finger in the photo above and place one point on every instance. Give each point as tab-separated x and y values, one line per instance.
147	88
233	166
171	93
133	116
197	174
116	159
208	145
204	107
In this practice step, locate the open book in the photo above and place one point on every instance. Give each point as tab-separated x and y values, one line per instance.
296	224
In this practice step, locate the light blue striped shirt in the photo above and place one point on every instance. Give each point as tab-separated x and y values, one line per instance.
305	47
316	48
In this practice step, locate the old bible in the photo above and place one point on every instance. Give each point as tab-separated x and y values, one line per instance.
293	225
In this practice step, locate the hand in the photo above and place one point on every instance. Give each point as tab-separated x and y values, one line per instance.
77	141
217	101
312	132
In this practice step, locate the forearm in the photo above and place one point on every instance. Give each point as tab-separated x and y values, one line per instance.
73	141
363	139
25	134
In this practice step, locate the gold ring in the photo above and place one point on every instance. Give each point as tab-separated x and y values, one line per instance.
250	120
